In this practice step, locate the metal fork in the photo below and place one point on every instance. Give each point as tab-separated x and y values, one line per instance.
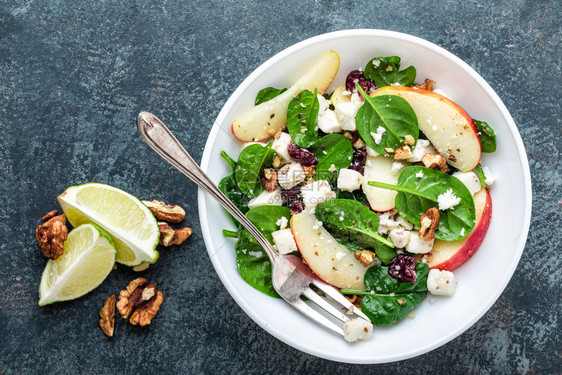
292	279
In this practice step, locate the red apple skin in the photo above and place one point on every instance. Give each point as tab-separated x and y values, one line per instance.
469	245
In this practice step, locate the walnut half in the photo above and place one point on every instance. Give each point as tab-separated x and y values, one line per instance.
366	257
429	222
107	315
437	162
167	212
51	235
170	236
145	300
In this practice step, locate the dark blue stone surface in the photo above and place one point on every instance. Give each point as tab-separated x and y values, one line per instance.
73	76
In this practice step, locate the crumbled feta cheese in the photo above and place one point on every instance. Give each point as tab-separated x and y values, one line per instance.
403	222
448	200
470	180
417	245
376	63
332	168
290	175
441	283
357	329
357	99
386	221
377	137
419	174
349	180
316	193
399	237
271	198
282	222
284	241
395	84
396	167
372	152
340	255
280	146
488	176
422	147
345	92
462	232
328	120
346	112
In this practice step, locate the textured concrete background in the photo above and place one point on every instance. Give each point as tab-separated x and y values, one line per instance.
73	76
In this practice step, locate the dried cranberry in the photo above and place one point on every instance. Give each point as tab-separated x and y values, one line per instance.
357	76
359	160
291	195
301	155
403	268
297	207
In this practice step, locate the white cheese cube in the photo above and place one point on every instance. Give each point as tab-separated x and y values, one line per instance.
329	122
284	241
422	147
399	237
357	329
290	175
488	176
470	180
349	180
267	198
441	283
346	112
403	222
280	146
386	221
324	104
417	245
316	193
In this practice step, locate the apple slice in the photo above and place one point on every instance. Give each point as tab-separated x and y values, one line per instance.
338	97
329	260
449	128
449	255
264	120
379	168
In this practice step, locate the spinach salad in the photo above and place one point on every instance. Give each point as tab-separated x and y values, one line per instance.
381	173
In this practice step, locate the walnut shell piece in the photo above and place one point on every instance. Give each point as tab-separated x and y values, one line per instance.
166	212
170	236
437	162
51	235
107	315
429	222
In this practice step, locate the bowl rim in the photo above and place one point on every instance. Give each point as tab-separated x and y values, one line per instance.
202	206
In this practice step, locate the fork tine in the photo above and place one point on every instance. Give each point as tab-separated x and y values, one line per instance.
338	297
314	297
316	316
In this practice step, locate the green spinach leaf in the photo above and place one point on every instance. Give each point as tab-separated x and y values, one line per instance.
252	262
230	161
267	94
351	219
389	118
416	195
386	71
487	136
302	118
251	162
229	187
385	253
387	301
481	175
332	149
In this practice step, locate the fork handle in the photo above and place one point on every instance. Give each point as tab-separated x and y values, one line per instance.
161	140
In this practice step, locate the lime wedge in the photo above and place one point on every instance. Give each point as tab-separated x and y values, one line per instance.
89	256
126	219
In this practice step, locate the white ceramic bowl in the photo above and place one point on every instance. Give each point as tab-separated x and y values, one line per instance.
480	281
